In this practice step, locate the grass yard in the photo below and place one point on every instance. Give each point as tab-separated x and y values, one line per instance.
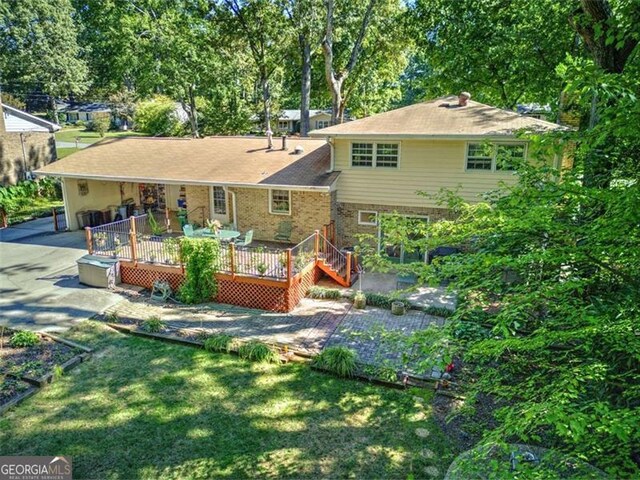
65	152
145	409
36	207
70	134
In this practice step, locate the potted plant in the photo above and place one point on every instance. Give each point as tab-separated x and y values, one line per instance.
359	300
156	230
398	307
262	269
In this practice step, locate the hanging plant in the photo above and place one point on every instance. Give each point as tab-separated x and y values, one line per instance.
201	257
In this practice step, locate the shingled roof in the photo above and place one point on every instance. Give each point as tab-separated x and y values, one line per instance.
441	118
240	161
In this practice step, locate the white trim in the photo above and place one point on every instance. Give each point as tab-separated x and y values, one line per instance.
494	152
270	202
374	154
368	223
81	176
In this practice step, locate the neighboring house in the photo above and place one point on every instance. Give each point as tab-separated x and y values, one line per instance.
288	121
82	111
352	175
26	144
386	159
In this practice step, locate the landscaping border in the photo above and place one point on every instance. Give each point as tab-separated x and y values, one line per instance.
19	398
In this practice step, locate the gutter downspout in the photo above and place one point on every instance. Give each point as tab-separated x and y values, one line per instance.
233	205
24	156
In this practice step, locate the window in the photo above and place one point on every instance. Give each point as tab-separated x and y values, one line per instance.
387	155
509	156
219	201
283	125
322	123
494	157
382	155
479	156
280	202
366	217
362	155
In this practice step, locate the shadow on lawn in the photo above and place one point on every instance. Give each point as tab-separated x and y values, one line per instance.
142	408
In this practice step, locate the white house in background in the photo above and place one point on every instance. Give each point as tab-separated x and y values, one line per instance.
288	121
82	111
26	143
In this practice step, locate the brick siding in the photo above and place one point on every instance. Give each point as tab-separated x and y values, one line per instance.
347	219
309	211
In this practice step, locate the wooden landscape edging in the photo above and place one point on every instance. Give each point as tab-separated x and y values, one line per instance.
19	398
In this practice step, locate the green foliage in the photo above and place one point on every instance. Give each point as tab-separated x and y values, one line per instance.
438	311
24	339
339	360
219	343
153	324
100	123
156	229
258	352
157	117
16	197
322	293
201	256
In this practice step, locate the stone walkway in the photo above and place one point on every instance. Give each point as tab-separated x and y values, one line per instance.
313	325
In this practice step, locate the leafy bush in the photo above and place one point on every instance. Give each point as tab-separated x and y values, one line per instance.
23	339
322	293
153	325
438	311
157	117
258	352
201	256
219	343
339	360
100	123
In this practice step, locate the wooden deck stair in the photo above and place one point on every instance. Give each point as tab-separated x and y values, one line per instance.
339	266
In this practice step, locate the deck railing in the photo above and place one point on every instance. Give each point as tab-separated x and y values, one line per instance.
131	240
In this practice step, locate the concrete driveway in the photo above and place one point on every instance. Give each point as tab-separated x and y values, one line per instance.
39	287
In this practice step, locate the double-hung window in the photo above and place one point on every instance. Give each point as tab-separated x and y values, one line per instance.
493	157
280	202
322	123
379	155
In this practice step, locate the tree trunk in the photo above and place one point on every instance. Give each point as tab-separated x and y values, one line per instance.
266	104
305	91
192	112
335	81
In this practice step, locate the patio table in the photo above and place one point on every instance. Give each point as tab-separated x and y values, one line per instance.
222	235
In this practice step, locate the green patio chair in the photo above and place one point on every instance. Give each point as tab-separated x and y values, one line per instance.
246	240
188	231
284	232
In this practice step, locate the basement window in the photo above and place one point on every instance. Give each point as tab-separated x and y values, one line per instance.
367	217
280	202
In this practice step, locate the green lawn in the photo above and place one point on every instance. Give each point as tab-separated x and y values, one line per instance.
35	208
63	152
145	409
70	134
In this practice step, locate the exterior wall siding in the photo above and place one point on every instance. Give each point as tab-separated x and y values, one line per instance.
39	150
348	228
309	211
424	165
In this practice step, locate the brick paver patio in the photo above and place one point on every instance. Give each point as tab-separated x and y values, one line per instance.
313	325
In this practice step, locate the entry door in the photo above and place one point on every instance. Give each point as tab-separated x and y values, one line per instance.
219	208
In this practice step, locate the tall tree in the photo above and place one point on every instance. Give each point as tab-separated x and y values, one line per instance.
502	52
266	32
335	75
39	49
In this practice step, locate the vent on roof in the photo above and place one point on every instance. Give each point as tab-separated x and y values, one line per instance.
298	150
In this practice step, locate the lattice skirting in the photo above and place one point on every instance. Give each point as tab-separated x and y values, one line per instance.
144	277
233	292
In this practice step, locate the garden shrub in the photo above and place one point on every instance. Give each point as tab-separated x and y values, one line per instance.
339	360
219	343
153	325
201	256
258	352
322	293
157	117
438	311
23	339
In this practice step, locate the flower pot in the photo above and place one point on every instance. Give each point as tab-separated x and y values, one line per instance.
398	308
360	301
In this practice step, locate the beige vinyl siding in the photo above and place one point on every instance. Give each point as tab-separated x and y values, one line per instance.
424	165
